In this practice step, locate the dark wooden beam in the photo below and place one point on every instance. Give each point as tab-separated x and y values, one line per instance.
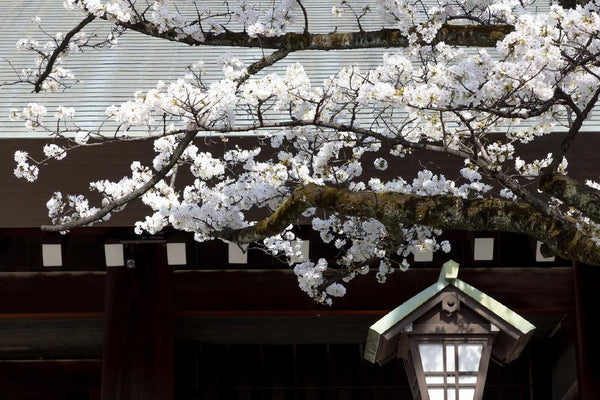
80	337
300	329
51	292
48	379
303	329
60	314
51	337
33	295
521	289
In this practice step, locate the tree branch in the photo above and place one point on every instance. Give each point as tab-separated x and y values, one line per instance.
304	14
160	174
463	35
573	194
574	130
59	49
263	63
441	211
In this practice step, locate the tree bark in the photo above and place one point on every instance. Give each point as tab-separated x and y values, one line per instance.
573	194
460	35
441	211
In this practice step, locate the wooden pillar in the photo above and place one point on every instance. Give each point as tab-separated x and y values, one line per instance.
586	384
139	327
588	366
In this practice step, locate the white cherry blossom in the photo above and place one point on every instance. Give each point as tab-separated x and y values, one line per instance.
351	131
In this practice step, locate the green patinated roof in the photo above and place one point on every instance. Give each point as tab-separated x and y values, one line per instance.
403	310
496	307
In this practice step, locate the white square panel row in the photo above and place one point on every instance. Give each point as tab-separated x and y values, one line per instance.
483	250
113	253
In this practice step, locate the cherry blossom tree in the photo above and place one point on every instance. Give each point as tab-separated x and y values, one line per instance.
474	80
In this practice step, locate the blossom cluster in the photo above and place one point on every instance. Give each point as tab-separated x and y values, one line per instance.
24	168
267	22
350	131
118	10
167	18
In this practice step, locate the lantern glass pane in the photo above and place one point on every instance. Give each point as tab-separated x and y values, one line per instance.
436	393
466	393
434	380
451	394
467	379
451	379
469	356
450	358
432	357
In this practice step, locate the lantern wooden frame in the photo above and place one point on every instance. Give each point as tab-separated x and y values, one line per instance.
454	313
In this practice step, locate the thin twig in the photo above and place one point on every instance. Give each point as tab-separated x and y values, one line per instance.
62	47
160	174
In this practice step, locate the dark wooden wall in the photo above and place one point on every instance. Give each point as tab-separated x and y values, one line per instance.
23	204
225	320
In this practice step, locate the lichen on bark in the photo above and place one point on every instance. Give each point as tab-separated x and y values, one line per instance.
440	211
572	193
460	35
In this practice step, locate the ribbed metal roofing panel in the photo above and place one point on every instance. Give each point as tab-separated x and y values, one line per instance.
112	76
137	63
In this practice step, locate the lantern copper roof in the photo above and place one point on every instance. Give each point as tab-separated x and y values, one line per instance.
514	330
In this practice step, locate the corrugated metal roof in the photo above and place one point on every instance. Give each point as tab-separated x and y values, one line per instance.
112	76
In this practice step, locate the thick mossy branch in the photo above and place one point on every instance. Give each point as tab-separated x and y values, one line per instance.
572	3
441	211
573	194
460	35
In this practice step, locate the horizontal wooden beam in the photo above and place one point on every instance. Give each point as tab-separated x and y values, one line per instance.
50	337
51	292
49	379
276	329
82	293
60	314
522	289
76	338
303	329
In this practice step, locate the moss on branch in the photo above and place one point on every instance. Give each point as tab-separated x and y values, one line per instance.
573	194
441	211
460	35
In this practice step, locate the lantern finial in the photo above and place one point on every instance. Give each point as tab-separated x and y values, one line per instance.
449	272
